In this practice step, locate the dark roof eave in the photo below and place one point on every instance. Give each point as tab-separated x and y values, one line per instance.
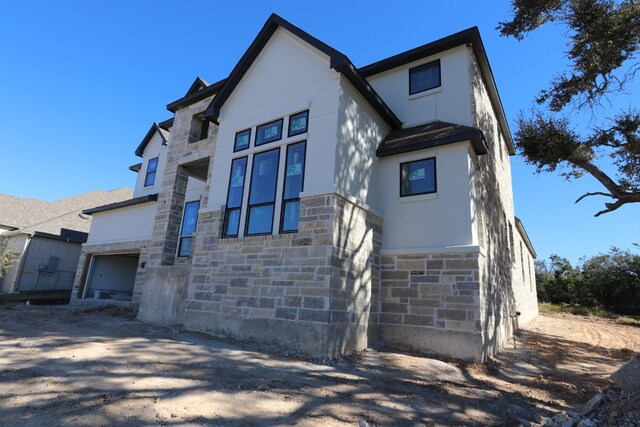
203	93
475	137
135	168
525	237
469	36
123	204
155	127
50	236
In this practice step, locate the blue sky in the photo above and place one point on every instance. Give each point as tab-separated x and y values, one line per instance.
81	82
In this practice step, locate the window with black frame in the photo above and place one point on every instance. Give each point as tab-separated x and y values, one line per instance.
269	132
293	186
424	77
189	223
418	177
262	193
152	168
234	197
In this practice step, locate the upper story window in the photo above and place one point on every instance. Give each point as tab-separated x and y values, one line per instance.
150	177
189	223
242	140
418	177
262	194
298	123
199	128
424	77
269	132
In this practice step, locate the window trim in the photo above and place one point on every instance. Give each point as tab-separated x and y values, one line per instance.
306	129
425	65
154	171
283	201
281	120
190	236
239	208
435	177
235	141
275	194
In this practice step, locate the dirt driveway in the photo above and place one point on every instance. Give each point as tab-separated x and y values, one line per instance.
64	366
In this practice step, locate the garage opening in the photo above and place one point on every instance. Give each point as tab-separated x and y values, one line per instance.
111	277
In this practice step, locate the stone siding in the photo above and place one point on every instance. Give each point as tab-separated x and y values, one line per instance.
310	290
427	300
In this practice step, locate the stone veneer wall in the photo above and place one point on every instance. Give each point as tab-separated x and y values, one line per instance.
431	303
112	248
309	290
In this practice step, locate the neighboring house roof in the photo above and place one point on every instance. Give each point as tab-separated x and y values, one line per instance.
155	127
469	36
123	204
194	97
429	135
338	61
525	237
31	216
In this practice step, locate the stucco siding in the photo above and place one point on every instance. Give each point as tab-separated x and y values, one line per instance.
131	223
152	150
450	102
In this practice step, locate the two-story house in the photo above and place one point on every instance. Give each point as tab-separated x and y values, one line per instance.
309	203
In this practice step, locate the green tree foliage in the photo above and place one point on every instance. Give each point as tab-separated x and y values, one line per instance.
610	281
8	255
603	42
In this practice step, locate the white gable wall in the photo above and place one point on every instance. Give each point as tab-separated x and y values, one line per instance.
287	77
450	102
152	150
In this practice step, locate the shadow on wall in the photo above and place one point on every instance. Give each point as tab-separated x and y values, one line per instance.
355	260
498	307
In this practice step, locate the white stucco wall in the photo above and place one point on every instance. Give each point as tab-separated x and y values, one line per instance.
288	76
360	130
152	150
431	222
450	102
131	223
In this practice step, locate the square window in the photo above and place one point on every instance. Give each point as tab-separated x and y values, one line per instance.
298	123
424	77
150	177
242	140
199	128
269	132
418	177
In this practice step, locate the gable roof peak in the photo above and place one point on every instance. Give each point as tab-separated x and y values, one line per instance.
337	61
155	128
197	85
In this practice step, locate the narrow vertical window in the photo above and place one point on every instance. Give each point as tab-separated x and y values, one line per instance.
234	197
293	186
189	222
152	167
262	195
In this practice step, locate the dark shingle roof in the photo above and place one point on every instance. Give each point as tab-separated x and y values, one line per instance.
429	135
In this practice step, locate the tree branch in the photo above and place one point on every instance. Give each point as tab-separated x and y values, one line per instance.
596	193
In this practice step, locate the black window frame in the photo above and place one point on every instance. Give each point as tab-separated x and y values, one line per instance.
284	200
256	144
423	66
182	237
257	205
235	141
149	172
306	127
435	177
238	208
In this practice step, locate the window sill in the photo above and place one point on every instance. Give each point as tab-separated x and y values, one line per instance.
418	198
425	93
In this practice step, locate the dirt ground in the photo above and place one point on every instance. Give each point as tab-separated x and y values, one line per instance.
61	365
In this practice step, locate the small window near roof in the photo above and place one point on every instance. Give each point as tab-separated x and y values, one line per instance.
298	123
242	140
269	132
199	128
418	177
152	167
424	77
